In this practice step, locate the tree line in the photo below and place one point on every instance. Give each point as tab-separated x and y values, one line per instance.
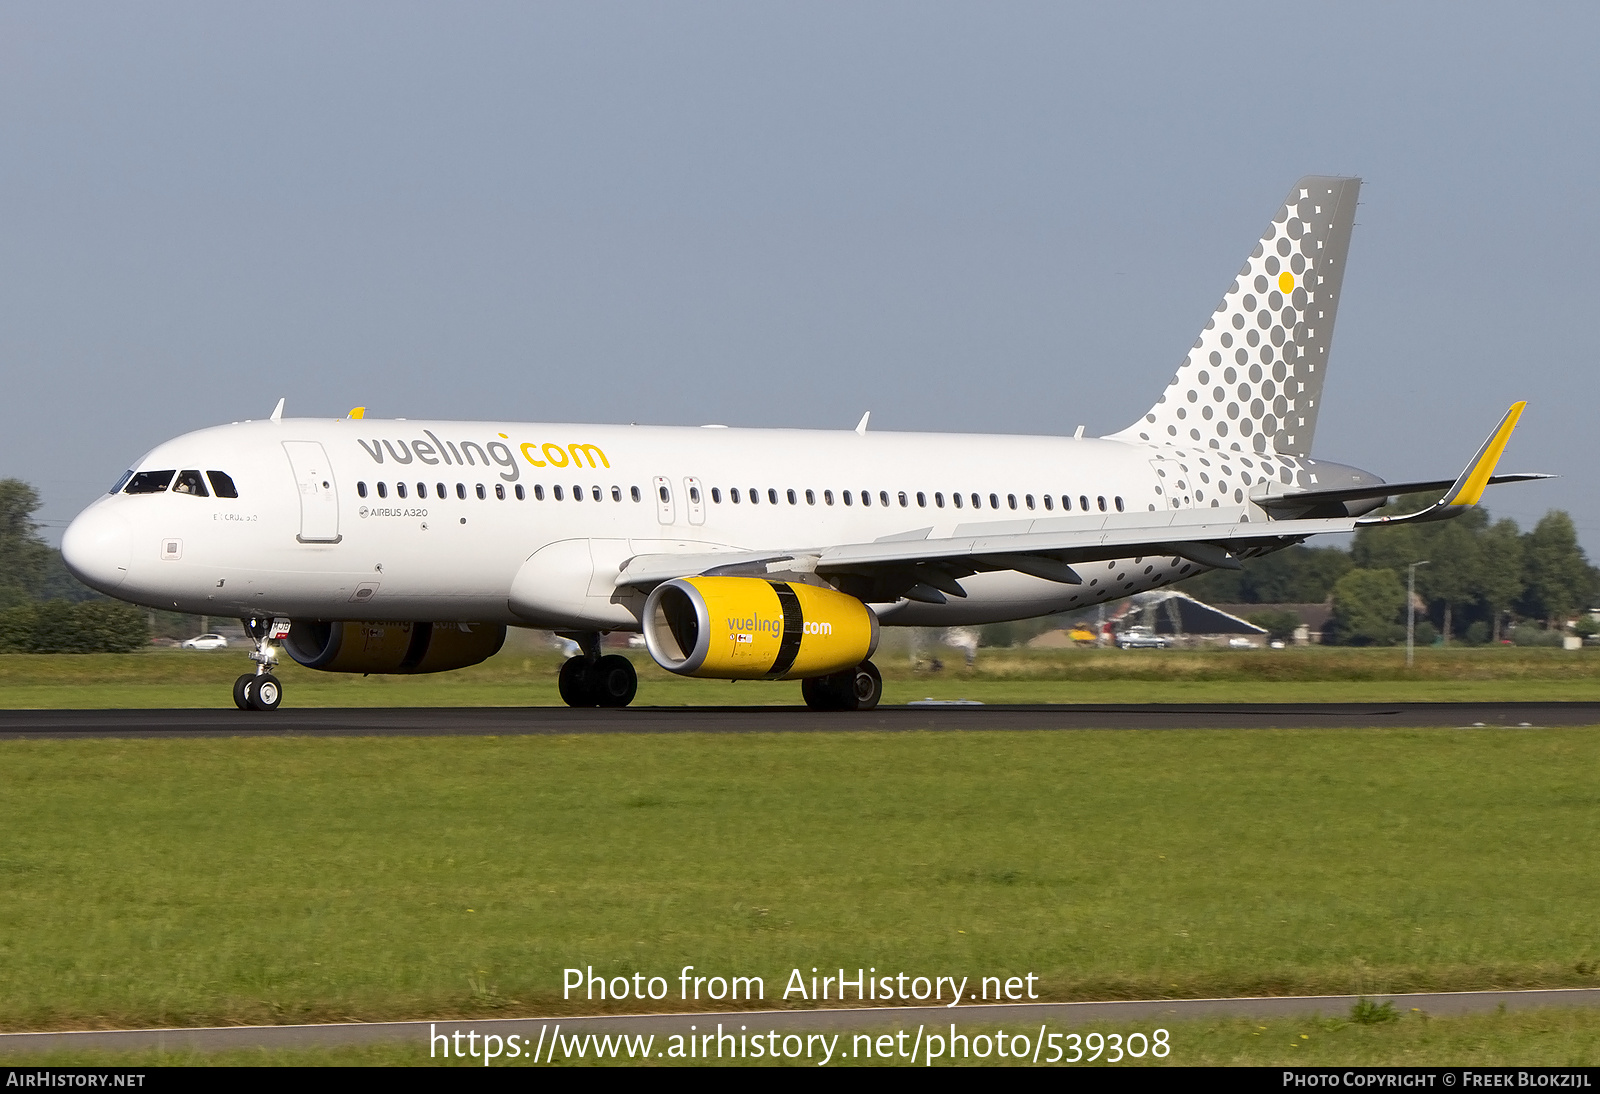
1484	580
43	608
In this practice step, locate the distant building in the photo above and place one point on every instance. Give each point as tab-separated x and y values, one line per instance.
1170	614
1314	618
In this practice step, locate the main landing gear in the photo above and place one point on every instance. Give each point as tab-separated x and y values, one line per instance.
859	688
261	690
590	680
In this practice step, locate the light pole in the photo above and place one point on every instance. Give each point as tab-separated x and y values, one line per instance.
1411	608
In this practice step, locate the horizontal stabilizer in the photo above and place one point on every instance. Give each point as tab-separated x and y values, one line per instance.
1304	499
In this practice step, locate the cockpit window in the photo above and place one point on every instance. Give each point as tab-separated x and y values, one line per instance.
222	484
123	481
149	482
190	482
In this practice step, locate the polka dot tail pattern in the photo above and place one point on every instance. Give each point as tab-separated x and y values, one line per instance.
1253	380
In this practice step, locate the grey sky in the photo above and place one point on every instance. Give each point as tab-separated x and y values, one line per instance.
983	217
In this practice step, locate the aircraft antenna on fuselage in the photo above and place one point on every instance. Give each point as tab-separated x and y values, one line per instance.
277	412
861	426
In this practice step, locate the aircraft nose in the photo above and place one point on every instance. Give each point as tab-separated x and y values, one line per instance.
98	548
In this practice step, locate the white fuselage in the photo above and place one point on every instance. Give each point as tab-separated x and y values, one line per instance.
482	522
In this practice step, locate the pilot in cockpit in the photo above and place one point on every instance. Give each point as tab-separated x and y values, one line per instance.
190	482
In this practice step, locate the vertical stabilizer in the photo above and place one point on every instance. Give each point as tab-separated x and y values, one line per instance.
1253	381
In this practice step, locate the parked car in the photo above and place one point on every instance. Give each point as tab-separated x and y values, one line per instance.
206	642
1142	638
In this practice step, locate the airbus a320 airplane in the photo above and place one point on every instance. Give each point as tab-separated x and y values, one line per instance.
361	545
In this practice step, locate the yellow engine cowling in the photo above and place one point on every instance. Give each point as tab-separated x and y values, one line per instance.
392	647
750	628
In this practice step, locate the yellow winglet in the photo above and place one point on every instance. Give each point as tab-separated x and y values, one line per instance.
358	412
1469	487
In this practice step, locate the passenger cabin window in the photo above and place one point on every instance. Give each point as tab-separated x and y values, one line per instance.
500	491
883	496
977	502
577	493
733	494
1049	502
636	495
827	497
957	499
400	489
847	497
538	492
422	489
149	482
755	496
522	495
482	493
866	497
772	495
383	490
922	500
938	499
222	484
616	493
439	491
793	500
811	498
903	501
461	491
361	489
1011	500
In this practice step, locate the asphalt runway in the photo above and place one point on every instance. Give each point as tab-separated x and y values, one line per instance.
968	1018
512	721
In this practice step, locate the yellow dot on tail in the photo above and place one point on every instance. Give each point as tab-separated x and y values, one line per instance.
1286	282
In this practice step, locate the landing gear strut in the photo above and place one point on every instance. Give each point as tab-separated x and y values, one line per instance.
261	690
859	688
590	680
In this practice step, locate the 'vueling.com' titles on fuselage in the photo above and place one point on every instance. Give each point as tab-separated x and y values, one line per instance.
496	453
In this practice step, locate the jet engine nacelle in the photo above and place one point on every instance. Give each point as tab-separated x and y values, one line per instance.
750	628
392	647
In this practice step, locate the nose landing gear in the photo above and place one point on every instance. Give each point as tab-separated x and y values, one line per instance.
261	690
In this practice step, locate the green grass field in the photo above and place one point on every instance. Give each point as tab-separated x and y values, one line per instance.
182	882
524	675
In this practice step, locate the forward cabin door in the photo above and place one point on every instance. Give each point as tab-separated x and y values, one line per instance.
319	500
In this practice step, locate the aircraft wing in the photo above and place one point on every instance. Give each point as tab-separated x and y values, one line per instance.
918	567
1047	548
